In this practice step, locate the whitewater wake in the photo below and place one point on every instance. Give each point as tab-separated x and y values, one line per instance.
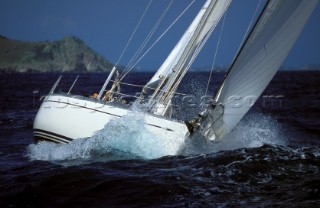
121	138
127	138
255	130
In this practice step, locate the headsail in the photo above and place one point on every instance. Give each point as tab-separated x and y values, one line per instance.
256	63
188	47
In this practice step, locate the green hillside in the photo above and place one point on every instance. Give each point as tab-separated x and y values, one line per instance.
66	55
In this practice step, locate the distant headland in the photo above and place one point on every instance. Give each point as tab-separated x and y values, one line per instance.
69	54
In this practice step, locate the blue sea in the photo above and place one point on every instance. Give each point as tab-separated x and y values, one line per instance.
271	159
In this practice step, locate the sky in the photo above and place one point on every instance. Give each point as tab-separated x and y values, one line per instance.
107	25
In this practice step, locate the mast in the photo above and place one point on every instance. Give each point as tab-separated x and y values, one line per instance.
180	59
106	82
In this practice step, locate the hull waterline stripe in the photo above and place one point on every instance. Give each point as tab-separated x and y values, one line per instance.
57	139
40	136
48	138
52	135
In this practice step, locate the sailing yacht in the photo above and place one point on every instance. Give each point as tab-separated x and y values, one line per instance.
64	117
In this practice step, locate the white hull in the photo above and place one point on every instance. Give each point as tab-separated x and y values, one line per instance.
63	118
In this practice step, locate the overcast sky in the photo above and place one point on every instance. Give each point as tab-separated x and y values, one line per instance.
106	26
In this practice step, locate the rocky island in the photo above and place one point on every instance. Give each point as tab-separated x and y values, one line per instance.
69	54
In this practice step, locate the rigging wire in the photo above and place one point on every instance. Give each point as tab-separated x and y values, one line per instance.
191	59
142	86
216	52
159	38
147	39
189	63
183	64
242	45
134	32
249	26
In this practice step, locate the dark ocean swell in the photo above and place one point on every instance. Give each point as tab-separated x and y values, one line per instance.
272	158
264	176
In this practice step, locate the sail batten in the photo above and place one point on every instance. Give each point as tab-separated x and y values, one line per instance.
256	63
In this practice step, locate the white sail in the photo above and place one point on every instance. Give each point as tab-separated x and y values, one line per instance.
258	60
217	9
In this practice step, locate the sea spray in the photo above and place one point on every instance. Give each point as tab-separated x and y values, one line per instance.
128	138
121	138
254	130
49	151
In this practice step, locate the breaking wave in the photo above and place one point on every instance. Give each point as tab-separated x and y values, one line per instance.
127	138
254	130
121	138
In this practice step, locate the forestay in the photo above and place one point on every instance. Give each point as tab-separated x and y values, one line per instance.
256	63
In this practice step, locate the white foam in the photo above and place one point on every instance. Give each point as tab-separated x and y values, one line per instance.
121	138
254	131
54	152
127	138
129	135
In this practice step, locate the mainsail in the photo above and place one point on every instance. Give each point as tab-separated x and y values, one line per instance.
179	60
262	54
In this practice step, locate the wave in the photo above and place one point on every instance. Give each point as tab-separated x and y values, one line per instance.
121	138
127	138
254	130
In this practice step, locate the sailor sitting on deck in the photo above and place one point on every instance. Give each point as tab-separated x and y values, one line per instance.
94	95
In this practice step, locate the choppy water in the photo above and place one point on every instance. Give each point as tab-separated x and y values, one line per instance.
272	159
